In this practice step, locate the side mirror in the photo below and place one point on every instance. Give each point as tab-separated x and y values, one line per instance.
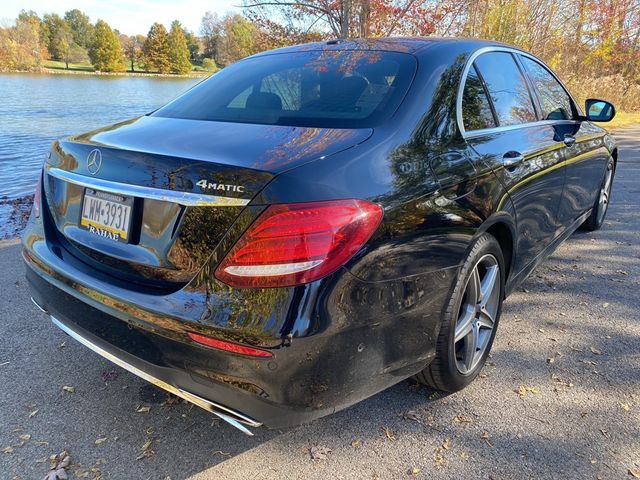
599	110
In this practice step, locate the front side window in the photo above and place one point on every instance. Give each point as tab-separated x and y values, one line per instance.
316	88
556	103
507	88
476	110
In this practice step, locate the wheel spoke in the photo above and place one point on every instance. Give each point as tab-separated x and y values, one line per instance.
488	284
471	347
474	286
465	322
486	319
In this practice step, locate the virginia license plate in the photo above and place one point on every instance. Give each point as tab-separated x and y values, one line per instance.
106	214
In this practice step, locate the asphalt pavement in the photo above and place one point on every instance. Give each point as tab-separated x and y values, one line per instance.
559	398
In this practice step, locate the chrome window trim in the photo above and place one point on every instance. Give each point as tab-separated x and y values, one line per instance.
188	199
485	131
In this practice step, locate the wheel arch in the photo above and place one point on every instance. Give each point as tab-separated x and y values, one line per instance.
502	227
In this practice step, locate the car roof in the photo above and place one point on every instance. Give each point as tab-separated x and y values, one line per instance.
411	45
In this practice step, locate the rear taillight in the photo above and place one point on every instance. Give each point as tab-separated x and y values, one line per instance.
37	199
298	243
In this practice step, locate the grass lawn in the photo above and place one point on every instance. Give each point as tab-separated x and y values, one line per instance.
621	120
87	67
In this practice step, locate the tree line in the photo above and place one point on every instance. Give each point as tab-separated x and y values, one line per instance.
72	38
593	44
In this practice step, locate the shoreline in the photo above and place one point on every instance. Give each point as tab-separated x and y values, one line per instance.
56	71
16	211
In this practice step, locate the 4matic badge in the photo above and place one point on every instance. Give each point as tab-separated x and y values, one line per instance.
219	187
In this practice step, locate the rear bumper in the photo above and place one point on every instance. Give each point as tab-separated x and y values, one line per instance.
334	342
163	362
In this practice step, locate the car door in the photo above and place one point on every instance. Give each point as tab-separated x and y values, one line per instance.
522	150
584	153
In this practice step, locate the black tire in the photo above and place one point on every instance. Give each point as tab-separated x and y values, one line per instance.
597	216
444	371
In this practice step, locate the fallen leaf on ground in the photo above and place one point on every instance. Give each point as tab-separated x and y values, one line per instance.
319	453
58	470
69	389
220	452
101	440
605	304
147	451
523	390
446	444
625	406
595	351
462	419
634	472
7	450
26	437
389	433
356	442
414	471
143	409
410	415
438	458
485	437
171	400
34	413
109	375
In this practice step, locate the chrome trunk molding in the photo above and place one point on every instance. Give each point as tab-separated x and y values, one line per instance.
188	199
232	417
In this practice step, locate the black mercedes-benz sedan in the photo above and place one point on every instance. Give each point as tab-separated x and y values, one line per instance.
314	224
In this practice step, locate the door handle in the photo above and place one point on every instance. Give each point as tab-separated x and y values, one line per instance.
569	140
512	158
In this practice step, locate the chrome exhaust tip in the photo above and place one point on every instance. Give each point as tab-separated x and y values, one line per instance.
40	307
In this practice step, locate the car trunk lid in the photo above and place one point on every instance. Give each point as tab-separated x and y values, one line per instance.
186	181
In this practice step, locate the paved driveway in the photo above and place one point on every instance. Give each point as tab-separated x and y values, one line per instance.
560	397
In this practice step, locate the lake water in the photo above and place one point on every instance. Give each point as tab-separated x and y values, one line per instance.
37	109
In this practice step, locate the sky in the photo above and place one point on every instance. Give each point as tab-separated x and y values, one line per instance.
128	16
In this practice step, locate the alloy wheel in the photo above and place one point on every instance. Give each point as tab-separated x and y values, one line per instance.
478	313
605	192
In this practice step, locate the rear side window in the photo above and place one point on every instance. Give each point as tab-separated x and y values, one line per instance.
507	88
556	103
476	110
317	88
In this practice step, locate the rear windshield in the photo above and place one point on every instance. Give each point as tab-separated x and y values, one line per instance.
340	89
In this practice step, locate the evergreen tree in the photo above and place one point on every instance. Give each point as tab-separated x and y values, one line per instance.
156	49
178	50
106	52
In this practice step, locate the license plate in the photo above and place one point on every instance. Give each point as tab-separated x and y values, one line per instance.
106	214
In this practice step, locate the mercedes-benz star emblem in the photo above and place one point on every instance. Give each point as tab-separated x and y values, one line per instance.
94	161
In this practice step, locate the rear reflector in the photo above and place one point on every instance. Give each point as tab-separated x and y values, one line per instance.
229	346
37	198
297	243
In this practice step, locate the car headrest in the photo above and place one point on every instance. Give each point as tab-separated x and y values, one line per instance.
264	100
